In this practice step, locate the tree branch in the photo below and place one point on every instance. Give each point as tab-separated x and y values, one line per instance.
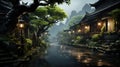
16	11
43	4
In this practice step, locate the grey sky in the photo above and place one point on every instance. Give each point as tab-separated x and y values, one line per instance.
75	5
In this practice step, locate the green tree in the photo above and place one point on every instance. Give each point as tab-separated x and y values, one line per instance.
14	11
19	9
44	17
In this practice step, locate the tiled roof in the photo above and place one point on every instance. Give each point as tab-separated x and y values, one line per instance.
99	13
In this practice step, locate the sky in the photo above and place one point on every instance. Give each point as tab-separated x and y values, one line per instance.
75	5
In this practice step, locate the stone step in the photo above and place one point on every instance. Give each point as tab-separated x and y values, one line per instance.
102	51
9	61
2	51
6	58
12	61
4	54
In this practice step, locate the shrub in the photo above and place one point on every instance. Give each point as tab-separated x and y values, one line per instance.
43	44
78	37
92	44
80	40
29	41
96	37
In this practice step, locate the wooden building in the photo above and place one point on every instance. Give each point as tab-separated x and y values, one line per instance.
100	19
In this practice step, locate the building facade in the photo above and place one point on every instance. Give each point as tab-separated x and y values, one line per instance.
101	20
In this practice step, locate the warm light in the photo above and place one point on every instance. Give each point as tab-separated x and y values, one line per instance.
86	27
108	24
79	30
99	24
21	25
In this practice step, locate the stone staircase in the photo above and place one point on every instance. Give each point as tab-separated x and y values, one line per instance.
7	58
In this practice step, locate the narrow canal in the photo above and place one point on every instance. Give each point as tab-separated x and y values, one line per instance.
67	56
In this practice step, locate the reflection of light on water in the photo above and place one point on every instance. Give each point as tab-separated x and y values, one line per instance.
101	63
100	54
78	58
87	60
46	52
83	56
69	51
61	46
79	55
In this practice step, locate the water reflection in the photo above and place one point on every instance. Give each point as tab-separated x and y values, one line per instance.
87	60
85	56
99	63
102	63
79	56
67	56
